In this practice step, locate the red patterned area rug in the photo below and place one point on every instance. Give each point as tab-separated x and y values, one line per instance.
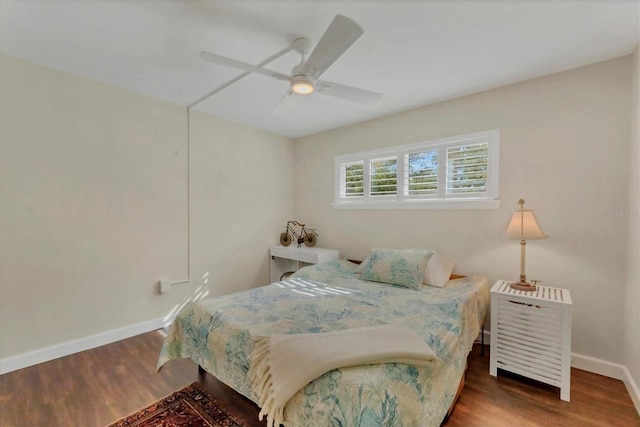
189	407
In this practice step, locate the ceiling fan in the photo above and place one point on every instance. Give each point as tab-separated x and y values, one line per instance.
339	36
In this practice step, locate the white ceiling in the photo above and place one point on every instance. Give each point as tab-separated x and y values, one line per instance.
414	52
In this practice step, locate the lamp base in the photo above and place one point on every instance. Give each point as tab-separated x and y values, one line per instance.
523	286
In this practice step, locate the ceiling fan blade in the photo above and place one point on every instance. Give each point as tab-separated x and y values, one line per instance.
221	60
285	105
348	93
340	35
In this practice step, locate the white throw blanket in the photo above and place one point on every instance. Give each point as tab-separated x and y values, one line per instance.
283	364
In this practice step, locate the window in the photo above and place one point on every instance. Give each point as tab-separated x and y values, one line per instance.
422	173
457	172
384	177
353	178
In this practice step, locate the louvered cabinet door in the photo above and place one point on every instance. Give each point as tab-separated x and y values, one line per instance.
531	334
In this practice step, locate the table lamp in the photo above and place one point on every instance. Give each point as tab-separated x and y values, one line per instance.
523	226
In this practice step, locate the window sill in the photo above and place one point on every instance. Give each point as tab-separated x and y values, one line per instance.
420	204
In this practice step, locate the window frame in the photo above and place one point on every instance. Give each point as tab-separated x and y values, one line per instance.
441	200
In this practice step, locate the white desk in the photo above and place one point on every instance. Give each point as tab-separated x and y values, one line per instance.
291	258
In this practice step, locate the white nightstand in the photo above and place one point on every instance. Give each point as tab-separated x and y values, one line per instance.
291	258
531	334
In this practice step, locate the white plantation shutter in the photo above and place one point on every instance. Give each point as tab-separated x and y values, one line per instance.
467	167
458	172
422	173
354	179
384	177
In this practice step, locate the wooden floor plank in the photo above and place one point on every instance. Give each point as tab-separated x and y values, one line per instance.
98	386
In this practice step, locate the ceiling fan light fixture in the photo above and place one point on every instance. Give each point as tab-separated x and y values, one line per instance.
301	85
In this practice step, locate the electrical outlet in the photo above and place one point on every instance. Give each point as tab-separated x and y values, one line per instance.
164	286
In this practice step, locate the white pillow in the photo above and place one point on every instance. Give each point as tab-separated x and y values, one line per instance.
438	270
360	268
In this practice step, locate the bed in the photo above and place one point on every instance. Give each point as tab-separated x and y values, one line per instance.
220	334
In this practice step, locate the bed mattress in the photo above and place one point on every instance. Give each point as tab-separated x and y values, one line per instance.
220	333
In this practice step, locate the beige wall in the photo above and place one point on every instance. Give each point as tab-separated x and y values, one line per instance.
564	149
242	197
632	298
93	206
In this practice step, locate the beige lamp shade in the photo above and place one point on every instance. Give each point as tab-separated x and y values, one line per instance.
523	225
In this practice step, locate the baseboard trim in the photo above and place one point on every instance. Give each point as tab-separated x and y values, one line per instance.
598	366
24	360
632	388
487	337
608	369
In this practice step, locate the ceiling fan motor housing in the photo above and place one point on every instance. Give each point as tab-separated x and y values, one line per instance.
302	85
302	45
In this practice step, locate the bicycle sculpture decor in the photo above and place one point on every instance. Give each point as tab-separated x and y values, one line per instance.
308	236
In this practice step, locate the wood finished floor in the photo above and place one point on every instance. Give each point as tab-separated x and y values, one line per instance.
96	387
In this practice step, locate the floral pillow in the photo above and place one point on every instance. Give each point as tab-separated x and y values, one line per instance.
403	267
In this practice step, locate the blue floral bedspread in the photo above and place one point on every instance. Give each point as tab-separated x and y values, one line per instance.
219	334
